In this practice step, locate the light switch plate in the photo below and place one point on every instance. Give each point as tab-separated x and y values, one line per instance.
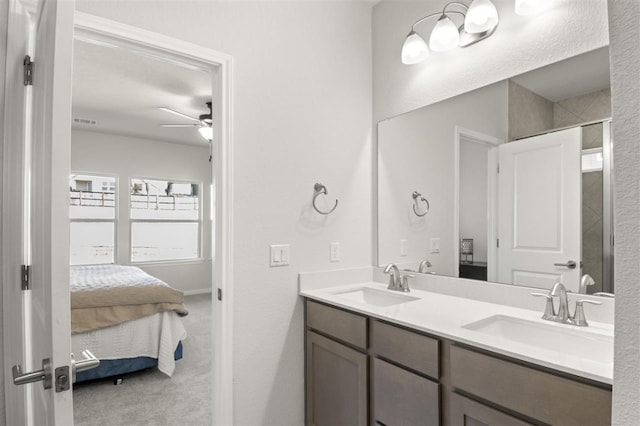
279	255
435	245
403	247
334	252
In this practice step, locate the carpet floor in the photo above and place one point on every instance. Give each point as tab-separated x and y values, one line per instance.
149	397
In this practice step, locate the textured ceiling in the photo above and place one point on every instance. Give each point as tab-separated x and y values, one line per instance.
122	89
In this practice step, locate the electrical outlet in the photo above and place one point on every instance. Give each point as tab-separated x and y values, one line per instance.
334	252
279	255
403	247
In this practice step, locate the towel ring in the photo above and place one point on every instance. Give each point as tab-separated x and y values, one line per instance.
415	196
318	189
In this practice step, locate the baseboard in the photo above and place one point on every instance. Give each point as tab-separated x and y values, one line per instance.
198	291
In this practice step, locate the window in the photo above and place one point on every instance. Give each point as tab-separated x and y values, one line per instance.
592	160
165	220
92	209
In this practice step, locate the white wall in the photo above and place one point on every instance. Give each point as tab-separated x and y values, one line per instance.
126	158
416	152
625	91
302	114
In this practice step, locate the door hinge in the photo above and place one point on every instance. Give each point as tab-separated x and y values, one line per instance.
498	168
28	71
498	242
25	274
219	294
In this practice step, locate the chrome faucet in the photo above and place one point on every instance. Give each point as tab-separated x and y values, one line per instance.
560	290
397	282
424	267
562	315
394	276
405	283
585	281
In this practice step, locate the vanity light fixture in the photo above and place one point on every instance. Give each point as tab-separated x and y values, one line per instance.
480	21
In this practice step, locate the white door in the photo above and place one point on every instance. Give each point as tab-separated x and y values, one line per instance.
46	320
539	213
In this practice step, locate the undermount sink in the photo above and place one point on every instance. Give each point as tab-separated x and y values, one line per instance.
370	296
564	339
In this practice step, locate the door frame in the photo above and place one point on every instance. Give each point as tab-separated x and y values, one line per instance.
222	164
492	190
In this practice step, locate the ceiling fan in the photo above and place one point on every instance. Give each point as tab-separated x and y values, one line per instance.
204	122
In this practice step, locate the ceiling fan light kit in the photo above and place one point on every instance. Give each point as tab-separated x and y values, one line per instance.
204	122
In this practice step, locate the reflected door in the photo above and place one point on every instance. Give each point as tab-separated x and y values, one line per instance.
539	199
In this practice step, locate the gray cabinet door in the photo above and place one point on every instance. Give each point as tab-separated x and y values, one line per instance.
336	383
403	398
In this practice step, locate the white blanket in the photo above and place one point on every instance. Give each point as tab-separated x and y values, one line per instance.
153	336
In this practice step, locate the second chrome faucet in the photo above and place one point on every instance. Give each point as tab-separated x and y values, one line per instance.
563	315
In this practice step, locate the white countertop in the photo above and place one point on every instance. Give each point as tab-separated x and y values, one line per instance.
445	315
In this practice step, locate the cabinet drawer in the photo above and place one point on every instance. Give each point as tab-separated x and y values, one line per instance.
403	398
345	326
466	412
537	394
413	350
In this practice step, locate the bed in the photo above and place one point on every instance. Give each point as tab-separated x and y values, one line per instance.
127	318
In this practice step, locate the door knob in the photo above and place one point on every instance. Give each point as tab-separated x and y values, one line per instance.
570	264
62	373
44	375
89	362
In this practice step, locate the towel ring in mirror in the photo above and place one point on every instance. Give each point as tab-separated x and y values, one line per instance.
318	189
415	196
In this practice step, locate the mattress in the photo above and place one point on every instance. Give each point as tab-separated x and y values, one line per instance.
154	336
118	367
105	295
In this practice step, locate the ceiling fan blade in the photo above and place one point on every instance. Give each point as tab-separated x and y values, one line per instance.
179	113
180	125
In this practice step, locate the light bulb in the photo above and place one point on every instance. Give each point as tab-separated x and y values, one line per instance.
444	35
482	16
206	132
531	7
414	49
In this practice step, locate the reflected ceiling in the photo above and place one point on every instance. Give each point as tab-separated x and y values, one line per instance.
587	73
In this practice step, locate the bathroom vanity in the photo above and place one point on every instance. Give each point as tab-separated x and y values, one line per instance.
387	358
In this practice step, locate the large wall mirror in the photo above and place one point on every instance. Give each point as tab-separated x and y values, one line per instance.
509	183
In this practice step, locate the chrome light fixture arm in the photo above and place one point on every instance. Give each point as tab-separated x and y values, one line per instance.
433	15
421	20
